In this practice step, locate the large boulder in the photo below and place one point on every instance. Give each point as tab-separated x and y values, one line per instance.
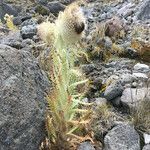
122	137
22	104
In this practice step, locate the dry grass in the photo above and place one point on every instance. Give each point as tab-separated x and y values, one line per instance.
141	116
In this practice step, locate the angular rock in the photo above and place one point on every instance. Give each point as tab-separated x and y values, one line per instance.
55	7
13	39
28	31
22	103
114	90
6	9
122	137
132	96
86	146
146	147
41	9
141	68
140	76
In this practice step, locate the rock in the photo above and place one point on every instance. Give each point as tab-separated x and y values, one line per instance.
114	90
88	68
122	137
141	68
144	11
141	76
22	90
55	7
41	9
113	27
100	101
146	138
19	19
127	78
132	96
130	53
27	22
146	147
13	39
28	31
86	146
66	2
126	10
43	2
7	9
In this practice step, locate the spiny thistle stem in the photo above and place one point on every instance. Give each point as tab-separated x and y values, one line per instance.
62	36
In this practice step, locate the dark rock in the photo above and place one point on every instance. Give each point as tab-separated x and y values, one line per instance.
7	9
22	92
86	146
18	20
41	9
29	22
146	147
130	53
88	68
55	7
114	90
66	2
122	137
28	31
42	2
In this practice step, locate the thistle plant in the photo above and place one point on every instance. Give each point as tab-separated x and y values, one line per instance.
9	22
65	120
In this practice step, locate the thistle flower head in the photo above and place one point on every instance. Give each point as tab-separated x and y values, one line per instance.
70	24
68	27
46	31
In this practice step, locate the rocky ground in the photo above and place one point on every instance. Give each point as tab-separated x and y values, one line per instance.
117	40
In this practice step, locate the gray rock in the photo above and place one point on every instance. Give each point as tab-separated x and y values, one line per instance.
141	68
88	68
100	101
114	90
146	147
55	7
86	146
19	19
6	9
43	2
13	39
144	11
122	137
29	22
28	31
22	103
132	96
127	78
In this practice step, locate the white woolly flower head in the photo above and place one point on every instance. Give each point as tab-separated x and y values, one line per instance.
70	24
68	28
